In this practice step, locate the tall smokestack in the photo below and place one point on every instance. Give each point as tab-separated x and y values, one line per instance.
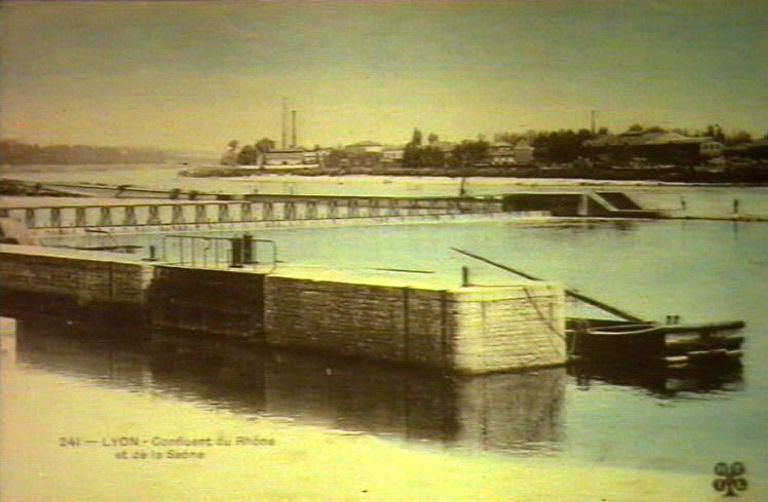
293	128
284	132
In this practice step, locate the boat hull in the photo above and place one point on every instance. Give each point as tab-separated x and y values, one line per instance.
605	341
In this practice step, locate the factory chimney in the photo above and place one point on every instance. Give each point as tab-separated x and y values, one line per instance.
284	132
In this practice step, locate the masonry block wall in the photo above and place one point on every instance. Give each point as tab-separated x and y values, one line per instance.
559	204
349	319
501	328
471	330
85	277
225	302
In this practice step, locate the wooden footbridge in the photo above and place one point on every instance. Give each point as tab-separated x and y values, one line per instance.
85	214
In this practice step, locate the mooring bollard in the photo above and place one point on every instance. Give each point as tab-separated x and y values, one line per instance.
152	254
464	277
237	252
248	257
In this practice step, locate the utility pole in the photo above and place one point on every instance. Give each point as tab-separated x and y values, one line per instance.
594	130
293	128
284	131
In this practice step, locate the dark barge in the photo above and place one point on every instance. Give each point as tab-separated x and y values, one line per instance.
672	344
633	341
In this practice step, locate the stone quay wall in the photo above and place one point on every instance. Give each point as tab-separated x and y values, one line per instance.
86	278
224	302
469	330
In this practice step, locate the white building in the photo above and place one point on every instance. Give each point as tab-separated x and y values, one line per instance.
392	154
523	153
364	147
285	157
501	154
291	158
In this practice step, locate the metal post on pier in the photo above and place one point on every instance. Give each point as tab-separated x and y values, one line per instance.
152	254
237	252
248	257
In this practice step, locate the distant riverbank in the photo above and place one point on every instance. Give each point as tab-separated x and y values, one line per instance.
677	200
753	174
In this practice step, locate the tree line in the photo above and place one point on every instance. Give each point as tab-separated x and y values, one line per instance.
247	155
17	153
558	146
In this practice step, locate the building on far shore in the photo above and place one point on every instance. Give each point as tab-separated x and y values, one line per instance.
364	147
392	154
653	147
283	157
444	146
505	154
523	153
501	153
754	151
289	158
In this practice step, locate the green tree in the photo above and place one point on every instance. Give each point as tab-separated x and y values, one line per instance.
563	145
738	138
469	153
248	156
715	132
265	145
416	138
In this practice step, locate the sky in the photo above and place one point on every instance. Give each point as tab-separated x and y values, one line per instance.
195	75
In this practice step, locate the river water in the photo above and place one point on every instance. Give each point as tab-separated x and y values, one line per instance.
321	428
674	199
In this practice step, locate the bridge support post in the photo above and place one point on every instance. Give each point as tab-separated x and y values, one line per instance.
105	216
129	216
30	218
81	219
201	216
56	217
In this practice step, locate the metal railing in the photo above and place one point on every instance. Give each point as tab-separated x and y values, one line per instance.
214	252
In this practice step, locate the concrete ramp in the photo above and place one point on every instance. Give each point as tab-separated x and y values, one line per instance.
577	204
617	204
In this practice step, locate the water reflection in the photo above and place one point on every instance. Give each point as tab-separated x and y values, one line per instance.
521	413
660	380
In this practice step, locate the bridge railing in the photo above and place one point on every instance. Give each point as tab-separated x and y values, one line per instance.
183	215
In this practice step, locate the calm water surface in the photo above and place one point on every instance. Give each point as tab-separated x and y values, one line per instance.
81	380
699	201
335	421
